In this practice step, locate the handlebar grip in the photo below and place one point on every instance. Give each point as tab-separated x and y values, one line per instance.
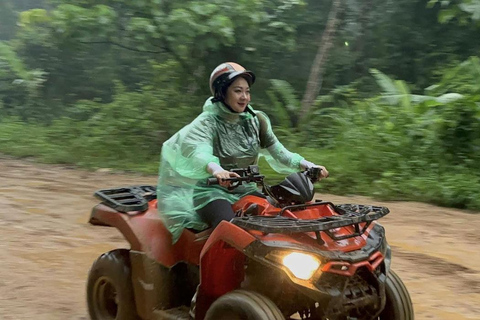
212	181
314	173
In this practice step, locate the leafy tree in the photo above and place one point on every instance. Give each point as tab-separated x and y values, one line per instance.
465	11
19	87
118	40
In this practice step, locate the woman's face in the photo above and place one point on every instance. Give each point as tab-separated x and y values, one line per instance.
238	95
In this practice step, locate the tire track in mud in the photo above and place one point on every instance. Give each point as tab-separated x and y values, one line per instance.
462	278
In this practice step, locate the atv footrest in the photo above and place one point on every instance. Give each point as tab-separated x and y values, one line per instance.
127	199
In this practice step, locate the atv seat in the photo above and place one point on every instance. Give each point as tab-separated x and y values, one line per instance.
197	232
201	234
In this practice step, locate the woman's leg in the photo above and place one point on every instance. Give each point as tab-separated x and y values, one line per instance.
216	211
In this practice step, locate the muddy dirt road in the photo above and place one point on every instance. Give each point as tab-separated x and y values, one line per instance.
47	247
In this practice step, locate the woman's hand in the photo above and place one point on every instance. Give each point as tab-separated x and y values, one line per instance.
323	172
221	175
304	164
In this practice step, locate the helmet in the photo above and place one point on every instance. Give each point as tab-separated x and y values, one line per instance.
224	74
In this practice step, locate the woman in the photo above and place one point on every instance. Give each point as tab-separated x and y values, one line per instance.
227	134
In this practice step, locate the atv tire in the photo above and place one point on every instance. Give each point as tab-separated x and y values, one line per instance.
243	305
399	305
109	287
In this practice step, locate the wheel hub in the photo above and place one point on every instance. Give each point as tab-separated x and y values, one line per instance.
106	301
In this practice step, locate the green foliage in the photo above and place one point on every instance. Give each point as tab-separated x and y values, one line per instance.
284	102
23	140
396	145
464	11
117	40
399	145
126	133
19	87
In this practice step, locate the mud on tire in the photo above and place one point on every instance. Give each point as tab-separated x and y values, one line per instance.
244	305
109	287
399	304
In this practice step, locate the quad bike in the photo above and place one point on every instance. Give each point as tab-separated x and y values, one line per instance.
284	256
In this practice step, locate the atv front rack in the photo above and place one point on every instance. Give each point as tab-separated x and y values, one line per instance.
349	215
127	199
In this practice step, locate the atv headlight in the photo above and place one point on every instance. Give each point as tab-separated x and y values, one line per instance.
302	265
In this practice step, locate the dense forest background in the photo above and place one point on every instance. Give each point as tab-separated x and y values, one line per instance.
384	93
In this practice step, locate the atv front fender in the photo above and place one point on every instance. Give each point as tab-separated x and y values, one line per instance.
222	263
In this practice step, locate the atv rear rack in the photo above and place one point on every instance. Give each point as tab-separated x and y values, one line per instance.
349	215
127	199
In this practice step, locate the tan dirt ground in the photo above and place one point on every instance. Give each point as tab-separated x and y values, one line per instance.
47	246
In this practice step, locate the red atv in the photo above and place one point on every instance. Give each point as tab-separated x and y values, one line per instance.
285	256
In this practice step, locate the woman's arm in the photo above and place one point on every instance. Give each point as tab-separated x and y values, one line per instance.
277	155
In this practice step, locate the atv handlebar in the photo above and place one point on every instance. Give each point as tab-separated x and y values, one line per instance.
256	178
249	174
252	174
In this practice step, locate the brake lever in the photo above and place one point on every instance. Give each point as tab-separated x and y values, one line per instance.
233	185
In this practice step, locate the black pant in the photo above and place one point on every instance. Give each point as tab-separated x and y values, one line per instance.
218	210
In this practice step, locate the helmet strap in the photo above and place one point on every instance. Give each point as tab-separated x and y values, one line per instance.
228	106
249	110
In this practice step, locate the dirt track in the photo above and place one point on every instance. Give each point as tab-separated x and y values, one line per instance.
47	247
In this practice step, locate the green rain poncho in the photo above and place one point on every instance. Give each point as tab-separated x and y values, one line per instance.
232	140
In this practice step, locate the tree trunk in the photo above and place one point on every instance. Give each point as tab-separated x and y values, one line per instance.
315	80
